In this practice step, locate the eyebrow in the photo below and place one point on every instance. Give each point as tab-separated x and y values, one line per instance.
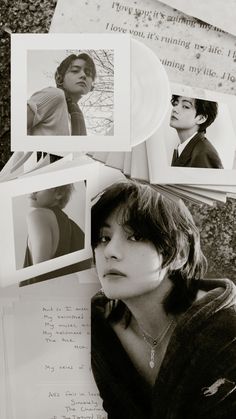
75	66
188	101
105	224
80	66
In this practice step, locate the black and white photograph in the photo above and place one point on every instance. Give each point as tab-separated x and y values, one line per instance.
197	141
50	231
78	96
169	324
118	209
46	223
191	117
71	97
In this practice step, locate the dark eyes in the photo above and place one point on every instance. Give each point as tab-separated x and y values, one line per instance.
134	237
103	239
176	104
87	71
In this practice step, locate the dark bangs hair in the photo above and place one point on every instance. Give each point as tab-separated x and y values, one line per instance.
167	224
208	109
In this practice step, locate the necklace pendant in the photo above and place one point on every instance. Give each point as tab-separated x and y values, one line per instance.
152	359
151	364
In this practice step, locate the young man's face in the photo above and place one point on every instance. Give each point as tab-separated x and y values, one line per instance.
78	78
183	115
127	266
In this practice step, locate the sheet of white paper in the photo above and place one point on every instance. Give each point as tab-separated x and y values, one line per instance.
220	188
216	12
3	406
192	197
43	162
16	168
139	162
215	195
192	51
9	347
52	359
64	402
160	146
127	164
116	160
17	156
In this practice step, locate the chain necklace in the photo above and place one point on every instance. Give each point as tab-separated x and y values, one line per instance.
155	342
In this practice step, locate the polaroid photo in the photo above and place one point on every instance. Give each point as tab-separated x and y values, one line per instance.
45	224
197	141
70	92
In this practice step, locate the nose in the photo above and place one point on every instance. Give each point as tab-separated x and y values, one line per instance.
82	74
114	249
175	108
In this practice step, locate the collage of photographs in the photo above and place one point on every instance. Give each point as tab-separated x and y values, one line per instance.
118	210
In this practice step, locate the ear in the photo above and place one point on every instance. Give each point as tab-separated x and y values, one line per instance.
200	119
57	196
59	79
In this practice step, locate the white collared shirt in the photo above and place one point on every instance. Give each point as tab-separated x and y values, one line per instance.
182	146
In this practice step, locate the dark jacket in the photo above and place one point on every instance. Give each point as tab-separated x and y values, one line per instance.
197	378
199	152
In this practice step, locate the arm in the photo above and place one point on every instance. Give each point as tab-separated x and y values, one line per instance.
42	104
40	235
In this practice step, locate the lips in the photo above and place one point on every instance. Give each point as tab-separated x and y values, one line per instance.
174	117
114	273
82	83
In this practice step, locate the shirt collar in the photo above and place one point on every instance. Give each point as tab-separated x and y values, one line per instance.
182	146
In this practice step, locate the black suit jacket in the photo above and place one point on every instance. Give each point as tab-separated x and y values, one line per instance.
199	152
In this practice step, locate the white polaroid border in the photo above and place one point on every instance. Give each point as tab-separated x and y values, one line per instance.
22	43
9	273
161	145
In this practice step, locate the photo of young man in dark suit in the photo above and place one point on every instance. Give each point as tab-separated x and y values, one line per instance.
191	117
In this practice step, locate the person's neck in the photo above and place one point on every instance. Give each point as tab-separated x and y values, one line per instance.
73	96
148	309
186	134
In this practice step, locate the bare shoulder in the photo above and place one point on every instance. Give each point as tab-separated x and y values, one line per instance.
41	216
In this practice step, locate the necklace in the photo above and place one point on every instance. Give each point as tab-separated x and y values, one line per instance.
153	343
